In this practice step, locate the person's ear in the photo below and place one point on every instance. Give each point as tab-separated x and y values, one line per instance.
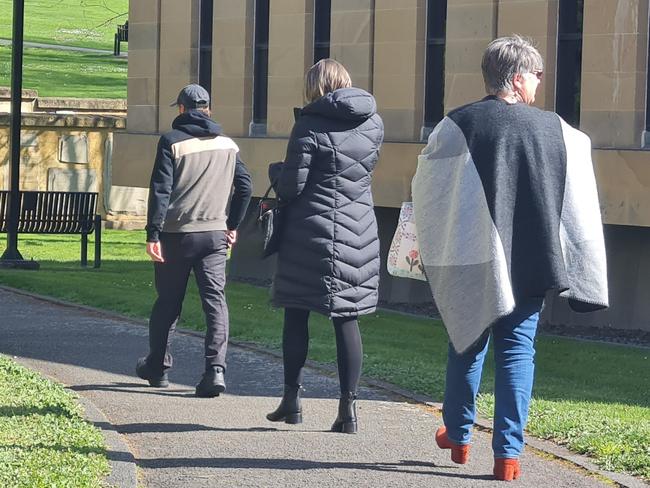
518	81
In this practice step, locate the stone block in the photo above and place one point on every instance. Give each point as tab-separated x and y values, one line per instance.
143	36
142	91
142	118
400	25
230	32
399	92
232	9
279	7
401	124
73	148
398	59
351	27
230	61
530	17
613	16
129	200
352	5
143	11
133	158
612	53
471	21
613	128
28	139
398	4
72	180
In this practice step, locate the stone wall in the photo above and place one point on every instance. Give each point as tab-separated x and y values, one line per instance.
62	153
31	102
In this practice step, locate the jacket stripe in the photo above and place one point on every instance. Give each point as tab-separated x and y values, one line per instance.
196	145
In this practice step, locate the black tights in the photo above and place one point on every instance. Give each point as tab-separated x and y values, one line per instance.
295	343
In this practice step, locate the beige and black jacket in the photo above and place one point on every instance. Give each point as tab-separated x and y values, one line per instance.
198	181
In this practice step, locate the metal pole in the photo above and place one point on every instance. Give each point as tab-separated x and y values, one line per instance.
12	257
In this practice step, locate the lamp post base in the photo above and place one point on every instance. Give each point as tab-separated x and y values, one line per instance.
11	262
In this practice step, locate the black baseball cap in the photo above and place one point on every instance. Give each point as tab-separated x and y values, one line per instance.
193	96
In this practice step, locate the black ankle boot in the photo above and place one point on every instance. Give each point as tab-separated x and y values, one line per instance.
289	411
346	421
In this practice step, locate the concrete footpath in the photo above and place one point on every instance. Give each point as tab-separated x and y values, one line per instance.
177	440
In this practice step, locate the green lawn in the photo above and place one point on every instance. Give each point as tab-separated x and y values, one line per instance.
68	74
44	440
82	23
593	398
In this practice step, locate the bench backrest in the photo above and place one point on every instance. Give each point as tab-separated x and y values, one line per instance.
123	32
51	212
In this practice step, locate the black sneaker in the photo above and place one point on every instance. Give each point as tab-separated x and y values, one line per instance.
212	383
143	371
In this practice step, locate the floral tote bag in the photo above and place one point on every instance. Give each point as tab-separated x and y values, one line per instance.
404	254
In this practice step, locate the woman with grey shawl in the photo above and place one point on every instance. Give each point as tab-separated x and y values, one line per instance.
506	211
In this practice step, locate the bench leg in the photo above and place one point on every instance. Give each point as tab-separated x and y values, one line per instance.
84	249
98	241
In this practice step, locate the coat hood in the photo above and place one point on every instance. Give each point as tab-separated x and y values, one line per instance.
344	103
196	124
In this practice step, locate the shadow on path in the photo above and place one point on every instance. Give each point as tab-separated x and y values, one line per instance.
302	464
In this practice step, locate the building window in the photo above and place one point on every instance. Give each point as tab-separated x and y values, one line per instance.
434	69
260	68
322	24
569	61
205	45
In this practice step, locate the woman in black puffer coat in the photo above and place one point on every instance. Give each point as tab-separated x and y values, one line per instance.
329	253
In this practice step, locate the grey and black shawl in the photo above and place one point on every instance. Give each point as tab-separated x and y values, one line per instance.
506	208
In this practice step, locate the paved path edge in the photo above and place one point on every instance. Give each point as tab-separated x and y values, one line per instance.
123	468
63	47
120	457
546	448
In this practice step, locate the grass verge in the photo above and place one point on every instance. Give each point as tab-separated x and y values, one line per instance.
71	22
68	74
44	440
593	398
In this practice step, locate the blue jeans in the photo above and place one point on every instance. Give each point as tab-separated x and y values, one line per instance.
514	351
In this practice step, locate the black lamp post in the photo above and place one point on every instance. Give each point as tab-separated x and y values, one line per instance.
12	258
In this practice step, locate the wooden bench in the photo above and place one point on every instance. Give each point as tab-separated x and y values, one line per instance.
122	35
56	212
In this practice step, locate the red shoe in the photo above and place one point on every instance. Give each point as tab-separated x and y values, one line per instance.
506	469
459	452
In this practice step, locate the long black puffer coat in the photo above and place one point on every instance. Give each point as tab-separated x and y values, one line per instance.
329	253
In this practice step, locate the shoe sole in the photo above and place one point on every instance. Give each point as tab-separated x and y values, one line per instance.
210	392
459	454
345	427
292	418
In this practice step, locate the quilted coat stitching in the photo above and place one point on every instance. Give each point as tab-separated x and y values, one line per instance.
329	261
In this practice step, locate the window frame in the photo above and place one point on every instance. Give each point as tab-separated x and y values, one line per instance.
434	65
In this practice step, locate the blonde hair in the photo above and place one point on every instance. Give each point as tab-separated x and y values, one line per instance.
324	77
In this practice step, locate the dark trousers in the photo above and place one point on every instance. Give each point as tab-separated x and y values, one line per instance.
204	253
295	345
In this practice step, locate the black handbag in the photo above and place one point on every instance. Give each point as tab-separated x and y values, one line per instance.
269	218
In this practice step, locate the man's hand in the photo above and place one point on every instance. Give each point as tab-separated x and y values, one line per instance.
154	250
231	237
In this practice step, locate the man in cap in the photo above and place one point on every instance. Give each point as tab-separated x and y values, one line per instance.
198	195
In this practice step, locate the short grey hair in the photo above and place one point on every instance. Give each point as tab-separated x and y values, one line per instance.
504	58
